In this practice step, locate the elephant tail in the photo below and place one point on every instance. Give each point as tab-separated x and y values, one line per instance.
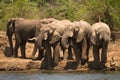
7	28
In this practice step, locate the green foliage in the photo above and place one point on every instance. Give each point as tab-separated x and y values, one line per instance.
17	8
90	10
115	13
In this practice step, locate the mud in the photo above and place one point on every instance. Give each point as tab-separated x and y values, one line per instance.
7	63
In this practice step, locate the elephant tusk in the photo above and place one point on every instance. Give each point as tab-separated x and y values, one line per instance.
34	38
45	38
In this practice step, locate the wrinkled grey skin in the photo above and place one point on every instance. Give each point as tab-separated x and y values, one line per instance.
50	36
100	40
23	29
78	36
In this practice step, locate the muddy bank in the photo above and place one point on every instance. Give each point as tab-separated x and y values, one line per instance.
7	63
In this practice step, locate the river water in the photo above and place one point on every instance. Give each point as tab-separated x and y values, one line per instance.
62	75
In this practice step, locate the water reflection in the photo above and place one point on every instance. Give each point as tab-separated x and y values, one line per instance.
62	75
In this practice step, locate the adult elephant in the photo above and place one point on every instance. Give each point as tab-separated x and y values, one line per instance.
100	40
67	49
79	37
23	29
50	36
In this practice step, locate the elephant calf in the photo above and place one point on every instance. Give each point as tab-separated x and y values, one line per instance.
100	39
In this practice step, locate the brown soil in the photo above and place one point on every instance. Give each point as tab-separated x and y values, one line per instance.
9	63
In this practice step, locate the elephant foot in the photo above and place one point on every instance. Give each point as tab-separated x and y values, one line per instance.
55	64
15	56
64	59
39	58
60	59
84	66
78	66
71	58
96	67
103	67
23	57
36	58
83	61
49	68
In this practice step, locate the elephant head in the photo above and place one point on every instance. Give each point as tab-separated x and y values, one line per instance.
95	38
51	32
44	34
78	31
74	30
55	31
100	32
68	33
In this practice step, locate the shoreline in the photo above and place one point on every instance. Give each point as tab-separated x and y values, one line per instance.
8	63
29	65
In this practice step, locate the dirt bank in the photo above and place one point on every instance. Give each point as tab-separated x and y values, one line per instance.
8	63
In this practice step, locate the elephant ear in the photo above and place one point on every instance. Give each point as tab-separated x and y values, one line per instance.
55	37
70	33
80	36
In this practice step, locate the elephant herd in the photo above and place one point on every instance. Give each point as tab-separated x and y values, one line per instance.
49	36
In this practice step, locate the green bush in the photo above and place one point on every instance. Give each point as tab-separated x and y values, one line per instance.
90	10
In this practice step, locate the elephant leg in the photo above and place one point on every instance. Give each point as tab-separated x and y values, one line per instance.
104	55
56	55
17	44
70	56
96	56
10	42
40	54
48	58
84	53
22	47
77	51
88	47
16	49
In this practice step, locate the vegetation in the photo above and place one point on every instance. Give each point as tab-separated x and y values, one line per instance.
90	10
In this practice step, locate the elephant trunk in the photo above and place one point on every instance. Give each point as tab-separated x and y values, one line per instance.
40	40
64	41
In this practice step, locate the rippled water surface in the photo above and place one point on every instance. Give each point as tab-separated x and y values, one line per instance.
64	75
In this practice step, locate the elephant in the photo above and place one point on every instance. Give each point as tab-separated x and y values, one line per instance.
67	50
100	39
23	29
50	36
78	36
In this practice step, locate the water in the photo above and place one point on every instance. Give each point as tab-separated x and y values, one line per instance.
51	75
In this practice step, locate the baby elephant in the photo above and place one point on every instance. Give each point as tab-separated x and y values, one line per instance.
100	39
